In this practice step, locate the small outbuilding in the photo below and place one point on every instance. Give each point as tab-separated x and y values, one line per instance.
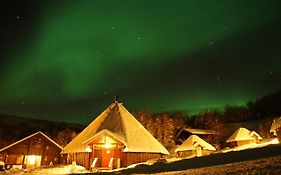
243	136
276	128
194	145
33	151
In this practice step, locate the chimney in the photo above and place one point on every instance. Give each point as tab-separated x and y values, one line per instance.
116	99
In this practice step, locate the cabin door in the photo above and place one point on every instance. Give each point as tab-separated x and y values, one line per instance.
199	151
107	154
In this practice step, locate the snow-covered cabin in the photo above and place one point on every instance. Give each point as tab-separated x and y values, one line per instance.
114	139
32	151
243	136
194	145
276	128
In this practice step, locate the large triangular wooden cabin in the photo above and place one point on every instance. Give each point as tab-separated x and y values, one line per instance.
194	146
114	139
243	136
32	151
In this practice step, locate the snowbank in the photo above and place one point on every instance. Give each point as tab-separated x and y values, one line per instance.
52	170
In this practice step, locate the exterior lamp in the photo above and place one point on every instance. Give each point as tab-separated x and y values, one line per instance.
88	149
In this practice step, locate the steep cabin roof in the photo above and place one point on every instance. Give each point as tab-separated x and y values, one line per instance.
243	134
28	137
118	123
275	125
192	142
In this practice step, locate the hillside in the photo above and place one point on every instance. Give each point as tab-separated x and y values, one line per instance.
13	128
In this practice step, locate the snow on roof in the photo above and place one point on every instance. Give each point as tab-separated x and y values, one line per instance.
243	134
39	132
107	133
121	124
253	133
200	131
192	142
275	125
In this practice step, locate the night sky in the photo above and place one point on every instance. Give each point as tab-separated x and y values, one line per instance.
66	60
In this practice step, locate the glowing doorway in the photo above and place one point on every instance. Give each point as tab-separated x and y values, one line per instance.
32	161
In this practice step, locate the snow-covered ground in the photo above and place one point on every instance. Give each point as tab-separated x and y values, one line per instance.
270	165
52	170
264	158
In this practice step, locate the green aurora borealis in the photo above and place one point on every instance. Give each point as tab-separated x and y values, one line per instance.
66	61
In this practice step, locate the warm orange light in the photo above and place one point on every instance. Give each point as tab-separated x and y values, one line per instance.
108	152
107	145
88	149
32	159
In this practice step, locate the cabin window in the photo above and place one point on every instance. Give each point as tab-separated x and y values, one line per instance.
19	159
47	147
45	158
56	159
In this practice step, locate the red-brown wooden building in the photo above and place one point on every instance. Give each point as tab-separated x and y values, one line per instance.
32	151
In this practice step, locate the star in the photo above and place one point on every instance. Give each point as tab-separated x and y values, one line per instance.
139	38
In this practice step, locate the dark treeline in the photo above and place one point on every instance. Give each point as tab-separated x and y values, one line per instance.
14	128
165	126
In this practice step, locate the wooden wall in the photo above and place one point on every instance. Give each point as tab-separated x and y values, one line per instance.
129	158
239	143
82	159
193	152
85	159
278	133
